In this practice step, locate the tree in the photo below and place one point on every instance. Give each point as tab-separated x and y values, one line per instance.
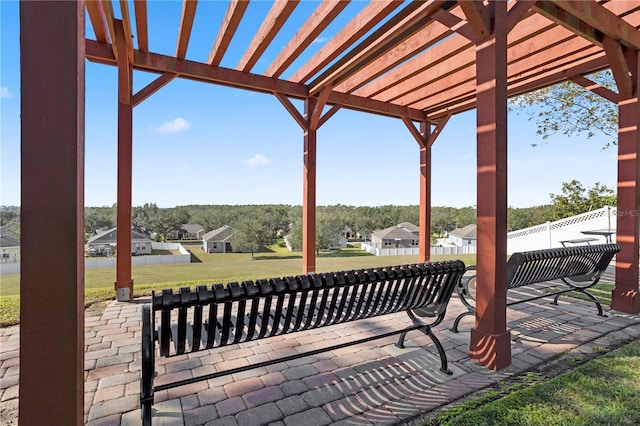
569	109
252	231
576	199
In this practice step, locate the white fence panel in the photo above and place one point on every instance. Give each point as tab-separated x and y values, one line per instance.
9	268
550	234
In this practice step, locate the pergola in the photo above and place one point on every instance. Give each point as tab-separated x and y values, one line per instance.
418	61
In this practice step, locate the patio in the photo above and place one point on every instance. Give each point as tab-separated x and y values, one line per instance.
374	383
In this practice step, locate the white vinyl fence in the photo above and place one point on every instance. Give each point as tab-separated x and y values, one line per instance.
415	250
110	262
549	235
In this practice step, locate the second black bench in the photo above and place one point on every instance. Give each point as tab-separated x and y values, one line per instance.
579	268
217	316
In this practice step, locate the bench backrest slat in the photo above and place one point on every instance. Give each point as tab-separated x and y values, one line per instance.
537	266
240	312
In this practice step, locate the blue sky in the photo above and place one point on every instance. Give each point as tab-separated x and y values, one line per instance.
196	143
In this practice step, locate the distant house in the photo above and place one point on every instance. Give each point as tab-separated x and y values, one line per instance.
188	231
104	243
404	235
465	236
217	241
9	249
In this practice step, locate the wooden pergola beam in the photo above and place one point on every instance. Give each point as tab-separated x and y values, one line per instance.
478	18
183	68
126	21
151	88
596	88
393	32
96	15
369	17
619	67
140	10
230	23
602	20
325	13
276	18
186	24
107	8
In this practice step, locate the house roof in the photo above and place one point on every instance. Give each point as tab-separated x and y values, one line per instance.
9	241
192	228
468	231
221	234
394	233
110	236
409	226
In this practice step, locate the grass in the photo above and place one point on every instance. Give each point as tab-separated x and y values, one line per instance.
603	391
209	268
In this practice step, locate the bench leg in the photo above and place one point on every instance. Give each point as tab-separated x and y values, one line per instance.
148	367
590	296
456	323
427	330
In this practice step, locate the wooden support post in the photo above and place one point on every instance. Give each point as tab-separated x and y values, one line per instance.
424	242
490	342
625	296
124	282
309	191
52	58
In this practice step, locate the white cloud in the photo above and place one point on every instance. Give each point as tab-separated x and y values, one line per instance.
320	40
5	93
173	126
257	160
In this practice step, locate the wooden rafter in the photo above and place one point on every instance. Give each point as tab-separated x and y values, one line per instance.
435	32
518	11
327	115
309	31
126	23
186	24
316	113
455	24
603	20
96	15
417	135
107	8
140	10
278	15
230	23
368	18
393	32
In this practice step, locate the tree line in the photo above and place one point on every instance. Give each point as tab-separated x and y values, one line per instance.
259	225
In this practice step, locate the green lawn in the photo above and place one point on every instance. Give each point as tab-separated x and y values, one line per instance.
209	269
603	391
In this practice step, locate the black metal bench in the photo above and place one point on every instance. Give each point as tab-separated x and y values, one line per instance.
216	316
579	268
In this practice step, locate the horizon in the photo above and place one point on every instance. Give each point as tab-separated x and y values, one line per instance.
202	144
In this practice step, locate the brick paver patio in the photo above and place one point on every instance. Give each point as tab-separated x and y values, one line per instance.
369	384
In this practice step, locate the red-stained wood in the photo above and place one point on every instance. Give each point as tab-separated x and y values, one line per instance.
52	110
107	8
186	24
316	113
602	19
393	32
230	23
291	109
309	193
140	10
368	18
422	40
490	342
596	88
152	87
326	12
96	15
625	296
327	115
456	24
518	11
275	19
424	238
126	22
619	67
478	18
124	281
